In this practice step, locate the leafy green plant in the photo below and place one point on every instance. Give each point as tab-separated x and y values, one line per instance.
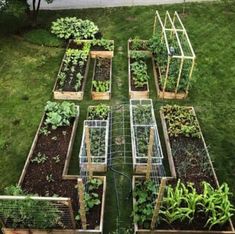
29	213
44	131
50	178
145	195
99	112
138	44
91	197
40	158
138	55
106	44
79	78
59	114
72	27
216	204
142	114
61	78
100	86
181	121
56	158
183	202
139	73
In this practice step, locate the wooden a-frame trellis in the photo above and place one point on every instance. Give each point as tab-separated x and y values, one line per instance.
182	53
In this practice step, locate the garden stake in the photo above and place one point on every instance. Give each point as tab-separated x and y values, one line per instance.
88	152
150	153
82	206
158	203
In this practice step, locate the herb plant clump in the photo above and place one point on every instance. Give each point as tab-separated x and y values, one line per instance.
29	213
72	27
142	114
181	121
100	86
59	114
99	112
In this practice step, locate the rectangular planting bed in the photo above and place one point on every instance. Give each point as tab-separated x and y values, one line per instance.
189	161
94	146
72	75
143	124
138	45
138	80
102	79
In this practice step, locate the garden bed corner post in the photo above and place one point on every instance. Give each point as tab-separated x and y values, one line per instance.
158	203
150	153
82	206
88	152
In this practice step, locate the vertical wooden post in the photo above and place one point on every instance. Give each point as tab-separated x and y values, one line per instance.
150	153
166	75
158	203
154	25
82	205
190	75
88	152
179	75
71	214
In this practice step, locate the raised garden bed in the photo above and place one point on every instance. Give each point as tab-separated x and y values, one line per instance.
102	79
142	120
98	132
147	192
72	75
139	46
138	76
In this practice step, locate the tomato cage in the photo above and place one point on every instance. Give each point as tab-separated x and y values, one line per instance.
94	147
146	146
174	59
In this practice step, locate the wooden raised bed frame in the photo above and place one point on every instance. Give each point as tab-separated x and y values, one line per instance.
102	95
68	155
161	231
65	231
147	52
70	95
165	94
136	94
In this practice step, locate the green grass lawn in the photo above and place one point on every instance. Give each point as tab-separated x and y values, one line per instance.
28	72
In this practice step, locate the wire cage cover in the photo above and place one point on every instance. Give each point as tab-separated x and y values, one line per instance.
142	120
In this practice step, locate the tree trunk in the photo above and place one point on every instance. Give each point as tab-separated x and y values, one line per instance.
36	7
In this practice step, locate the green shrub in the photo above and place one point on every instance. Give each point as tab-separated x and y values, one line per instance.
72	27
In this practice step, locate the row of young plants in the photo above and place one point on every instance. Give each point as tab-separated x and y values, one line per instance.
193	200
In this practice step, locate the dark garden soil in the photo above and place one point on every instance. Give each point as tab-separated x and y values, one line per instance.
143	46
102	69
133	87
74	45
98	48
36	178
70	80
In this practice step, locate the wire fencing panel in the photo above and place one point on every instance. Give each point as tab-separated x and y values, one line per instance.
36	212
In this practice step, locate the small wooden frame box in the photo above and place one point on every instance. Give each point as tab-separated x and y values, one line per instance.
140	167
66	231
136	94
102	95
83	155
102	54
70	95
68	155
147	52
137	230
164	94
